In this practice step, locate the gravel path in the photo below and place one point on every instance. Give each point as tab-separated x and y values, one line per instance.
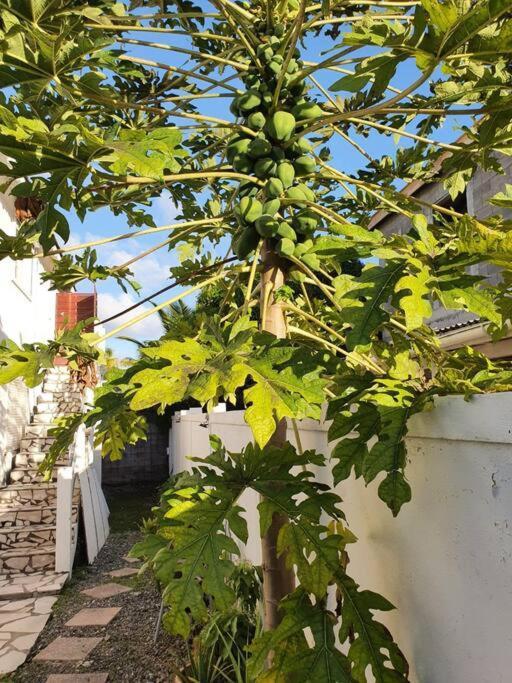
127	650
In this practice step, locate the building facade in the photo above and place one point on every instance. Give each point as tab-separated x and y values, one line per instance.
459	328
27	314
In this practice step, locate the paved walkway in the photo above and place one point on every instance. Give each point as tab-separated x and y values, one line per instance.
23	619
25	606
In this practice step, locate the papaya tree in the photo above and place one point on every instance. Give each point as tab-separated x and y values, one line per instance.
252	118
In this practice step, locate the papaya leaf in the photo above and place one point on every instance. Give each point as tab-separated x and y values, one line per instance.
296	659
415	305
216	365
363	306
28	362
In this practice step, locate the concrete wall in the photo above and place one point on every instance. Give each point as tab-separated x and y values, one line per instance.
446	561
27	314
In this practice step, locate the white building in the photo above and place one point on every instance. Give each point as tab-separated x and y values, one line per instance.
27	314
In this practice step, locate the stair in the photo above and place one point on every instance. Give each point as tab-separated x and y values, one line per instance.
28	509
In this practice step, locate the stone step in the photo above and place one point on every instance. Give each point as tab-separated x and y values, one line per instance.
28	495
29	475
36	444
50	396
27	537
30	515
55	386
33	460
57	407
32	430
27	560
44	419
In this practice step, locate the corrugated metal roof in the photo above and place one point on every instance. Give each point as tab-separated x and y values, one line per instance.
460	325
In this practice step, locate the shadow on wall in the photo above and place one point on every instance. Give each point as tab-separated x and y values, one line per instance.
14	402
145	461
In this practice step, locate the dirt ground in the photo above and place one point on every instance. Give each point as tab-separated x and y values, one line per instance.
128	651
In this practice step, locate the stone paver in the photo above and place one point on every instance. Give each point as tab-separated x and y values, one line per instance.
68	649
94	616
21	622
19	586
77	678
131	560
123	573
105	590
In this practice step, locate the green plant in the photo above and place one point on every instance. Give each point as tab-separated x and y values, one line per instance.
87	122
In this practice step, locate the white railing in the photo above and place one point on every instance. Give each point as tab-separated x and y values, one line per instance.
83	472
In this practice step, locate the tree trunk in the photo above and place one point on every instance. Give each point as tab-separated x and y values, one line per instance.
278	580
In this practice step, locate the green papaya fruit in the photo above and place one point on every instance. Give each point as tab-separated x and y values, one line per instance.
259	148
279	30
311	261
298	88
242	163
274	187
267	99
304	165
267	226
305	221
264	168
239	146
308	110
286	230
276	43
233	107
246	242
271	207
296	194
265	51
303	145
286	173
274	66
249	100
249	209
278	154
302	247
285	247
281	126
292	66
256	120
307	192
252	81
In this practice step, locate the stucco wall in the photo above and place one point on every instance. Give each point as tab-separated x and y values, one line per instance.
446	561
27	314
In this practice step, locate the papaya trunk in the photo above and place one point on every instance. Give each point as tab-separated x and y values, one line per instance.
278	580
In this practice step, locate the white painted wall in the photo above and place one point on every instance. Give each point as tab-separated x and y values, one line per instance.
446	560
27	314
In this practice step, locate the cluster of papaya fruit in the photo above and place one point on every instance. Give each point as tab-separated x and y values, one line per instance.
277	154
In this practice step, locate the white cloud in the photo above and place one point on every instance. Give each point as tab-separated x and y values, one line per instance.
110	304
164	209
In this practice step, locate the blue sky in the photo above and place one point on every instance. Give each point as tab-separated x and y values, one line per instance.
152	272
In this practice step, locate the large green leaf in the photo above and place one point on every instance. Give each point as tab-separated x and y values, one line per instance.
363	307
216	365
295	658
